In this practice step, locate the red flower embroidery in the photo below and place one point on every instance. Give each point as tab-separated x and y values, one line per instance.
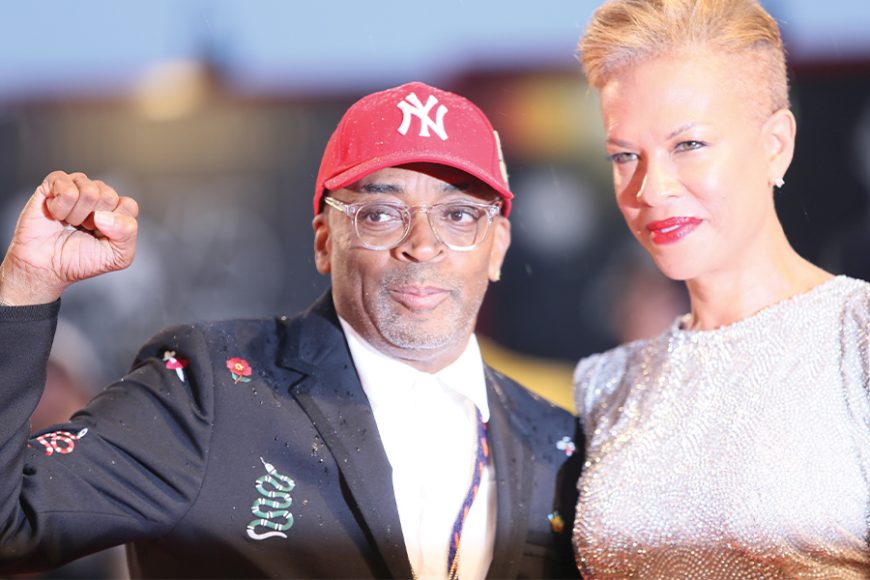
175	364
240	369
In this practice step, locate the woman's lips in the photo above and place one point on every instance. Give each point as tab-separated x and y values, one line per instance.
672	229
418	298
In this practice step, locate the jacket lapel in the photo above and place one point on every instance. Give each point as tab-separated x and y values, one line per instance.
331	395
513	466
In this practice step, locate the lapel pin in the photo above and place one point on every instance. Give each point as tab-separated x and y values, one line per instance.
556	522
566	445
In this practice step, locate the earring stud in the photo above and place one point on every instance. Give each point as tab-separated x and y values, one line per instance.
779	182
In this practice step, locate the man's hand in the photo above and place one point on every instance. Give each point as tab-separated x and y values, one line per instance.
72	228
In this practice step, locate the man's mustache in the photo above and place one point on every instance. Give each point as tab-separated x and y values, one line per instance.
422	275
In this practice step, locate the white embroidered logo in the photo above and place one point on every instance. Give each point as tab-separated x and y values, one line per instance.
412	107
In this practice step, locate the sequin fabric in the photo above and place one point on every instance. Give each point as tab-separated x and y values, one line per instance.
740	452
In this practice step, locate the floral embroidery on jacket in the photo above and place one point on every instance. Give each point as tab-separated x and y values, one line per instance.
175	364
240	369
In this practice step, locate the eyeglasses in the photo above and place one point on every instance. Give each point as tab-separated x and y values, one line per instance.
383	225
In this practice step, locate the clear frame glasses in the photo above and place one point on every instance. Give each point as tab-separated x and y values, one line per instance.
383	225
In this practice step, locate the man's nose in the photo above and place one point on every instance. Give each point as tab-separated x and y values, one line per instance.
421	244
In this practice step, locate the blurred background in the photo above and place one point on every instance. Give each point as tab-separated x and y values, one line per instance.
213	114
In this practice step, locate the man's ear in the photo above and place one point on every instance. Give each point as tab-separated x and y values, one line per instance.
322	243
501	242
779	135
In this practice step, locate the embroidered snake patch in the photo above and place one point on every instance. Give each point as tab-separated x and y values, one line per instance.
277	499
61	442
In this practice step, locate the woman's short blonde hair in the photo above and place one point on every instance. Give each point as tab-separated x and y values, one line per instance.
625	32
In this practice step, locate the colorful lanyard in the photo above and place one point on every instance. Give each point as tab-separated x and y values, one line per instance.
480	462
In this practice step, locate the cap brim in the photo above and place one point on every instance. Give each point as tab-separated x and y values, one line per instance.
356	173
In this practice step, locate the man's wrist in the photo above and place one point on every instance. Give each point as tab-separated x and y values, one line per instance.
17	290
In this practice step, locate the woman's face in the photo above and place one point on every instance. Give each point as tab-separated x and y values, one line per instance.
693	163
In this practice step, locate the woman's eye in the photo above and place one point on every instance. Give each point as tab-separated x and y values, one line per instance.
623	157
690	145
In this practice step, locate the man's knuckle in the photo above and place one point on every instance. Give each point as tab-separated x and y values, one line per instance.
89	192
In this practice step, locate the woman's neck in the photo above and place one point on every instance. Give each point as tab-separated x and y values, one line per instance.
726	296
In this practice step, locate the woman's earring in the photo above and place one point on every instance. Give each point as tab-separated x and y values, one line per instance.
496	277
779	182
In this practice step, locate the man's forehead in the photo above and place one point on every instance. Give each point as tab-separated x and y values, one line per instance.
400	179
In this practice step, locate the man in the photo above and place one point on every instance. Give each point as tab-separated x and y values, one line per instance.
362	438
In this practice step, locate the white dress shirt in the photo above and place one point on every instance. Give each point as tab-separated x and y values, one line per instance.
428	425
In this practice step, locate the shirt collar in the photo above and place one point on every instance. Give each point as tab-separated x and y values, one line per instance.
464	375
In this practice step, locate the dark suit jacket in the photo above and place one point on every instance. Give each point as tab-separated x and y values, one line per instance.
264	428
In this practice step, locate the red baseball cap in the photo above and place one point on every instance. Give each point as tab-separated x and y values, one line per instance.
412	123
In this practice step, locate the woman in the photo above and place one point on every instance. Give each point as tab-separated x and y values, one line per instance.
737	443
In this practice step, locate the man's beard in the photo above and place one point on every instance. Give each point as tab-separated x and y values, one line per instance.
452	325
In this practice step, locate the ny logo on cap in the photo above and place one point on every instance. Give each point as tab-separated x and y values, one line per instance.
412	107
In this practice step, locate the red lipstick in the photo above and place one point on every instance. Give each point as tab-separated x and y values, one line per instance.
672	229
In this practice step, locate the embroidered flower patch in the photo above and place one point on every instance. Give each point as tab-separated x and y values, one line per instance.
240	369
175	364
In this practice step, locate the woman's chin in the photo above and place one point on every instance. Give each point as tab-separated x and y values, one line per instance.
677	270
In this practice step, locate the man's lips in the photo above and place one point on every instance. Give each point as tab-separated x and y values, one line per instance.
672	229
414	297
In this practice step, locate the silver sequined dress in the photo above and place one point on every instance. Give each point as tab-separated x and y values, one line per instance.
741	452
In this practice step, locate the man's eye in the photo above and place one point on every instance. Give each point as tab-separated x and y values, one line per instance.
461	214
379	215
623	157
